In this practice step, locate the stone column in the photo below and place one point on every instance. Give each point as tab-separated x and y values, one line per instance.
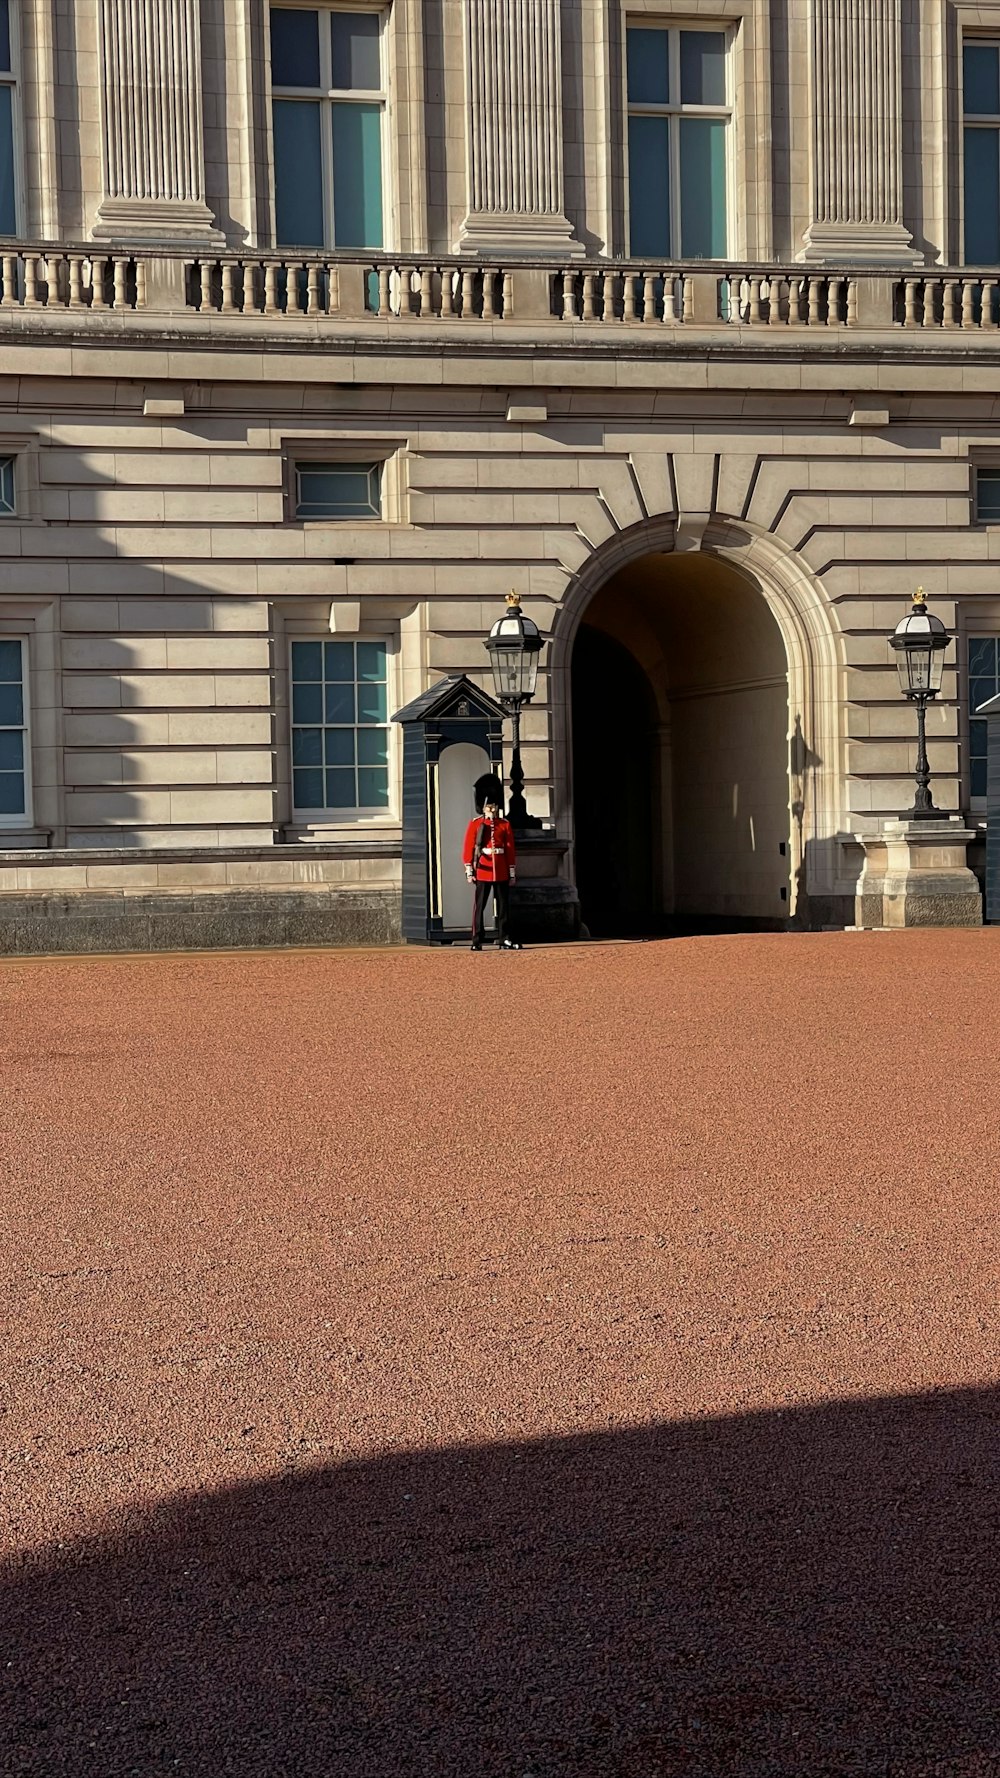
513	76
857	127
153	147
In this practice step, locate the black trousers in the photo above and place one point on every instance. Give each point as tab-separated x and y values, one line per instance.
501	905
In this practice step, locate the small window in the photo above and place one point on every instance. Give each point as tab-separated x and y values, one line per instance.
338	490
327	108
984	683
13	731
981	142
340	727
986	496
679	118
7	508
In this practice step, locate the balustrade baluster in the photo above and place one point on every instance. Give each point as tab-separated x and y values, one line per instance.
228	291
140	284
97	296
649	297
31	298
948	302
773	302
930	300
489	304
270	288
9	297
670	316
754	316
384	307
447	293
687	297
468	294
507	294
910	303
815	301
75	281
968	302
628	297
852	302
426	294
293	302
987	317
588	296
833	315
121	287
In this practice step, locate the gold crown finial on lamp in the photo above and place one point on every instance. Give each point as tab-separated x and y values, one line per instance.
513	598
920	597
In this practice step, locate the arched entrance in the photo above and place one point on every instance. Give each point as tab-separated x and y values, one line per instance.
682	799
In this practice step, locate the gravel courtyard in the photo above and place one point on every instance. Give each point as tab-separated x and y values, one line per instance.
583	1362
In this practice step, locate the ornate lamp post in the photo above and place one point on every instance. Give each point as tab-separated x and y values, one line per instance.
920	641
514	645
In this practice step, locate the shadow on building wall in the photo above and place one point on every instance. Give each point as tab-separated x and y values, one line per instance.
807	1591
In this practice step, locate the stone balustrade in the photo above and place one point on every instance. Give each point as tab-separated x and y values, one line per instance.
225	289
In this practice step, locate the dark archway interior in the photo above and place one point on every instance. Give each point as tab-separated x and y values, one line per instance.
681	796
614	787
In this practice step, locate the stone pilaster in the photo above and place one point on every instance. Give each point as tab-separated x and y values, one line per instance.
153	146
513	73
857	181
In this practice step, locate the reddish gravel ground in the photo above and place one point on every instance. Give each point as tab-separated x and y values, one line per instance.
576	1363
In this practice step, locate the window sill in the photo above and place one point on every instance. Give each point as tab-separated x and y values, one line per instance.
24	839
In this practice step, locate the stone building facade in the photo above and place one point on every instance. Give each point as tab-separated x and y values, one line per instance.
324	325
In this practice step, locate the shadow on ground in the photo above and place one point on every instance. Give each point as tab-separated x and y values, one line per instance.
801	1592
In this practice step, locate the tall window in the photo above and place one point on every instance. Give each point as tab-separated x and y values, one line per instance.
981	105
340	731
8	181
328	104
13	730
678	132
984	683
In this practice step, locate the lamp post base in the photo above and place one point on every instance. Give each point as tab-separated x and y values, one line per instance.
915	874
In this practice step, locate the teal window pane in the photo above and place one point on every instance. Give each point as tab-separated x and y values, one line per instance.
307	789
8	214
307	660
703	187
373	787
373	747
703	68
981	80
648	67
341	790
982	197
371	703
307	703
340	747
340	661
977	777
338	491
988	496
980	692
11	793
307	747
357	175
10	660
356	66
294	48
340	703
6	486
371	660
11	750
982	655
5	62
298	174
11	706
649	185
977	739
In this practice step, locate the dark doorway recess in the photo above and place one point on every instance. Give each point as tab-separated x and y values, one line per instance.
615	791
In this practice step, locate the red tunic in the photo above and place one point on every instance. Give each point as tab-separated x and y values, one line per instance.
498	857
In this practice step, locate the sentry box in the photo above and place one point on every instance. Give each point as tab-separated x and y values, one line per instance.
452	735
